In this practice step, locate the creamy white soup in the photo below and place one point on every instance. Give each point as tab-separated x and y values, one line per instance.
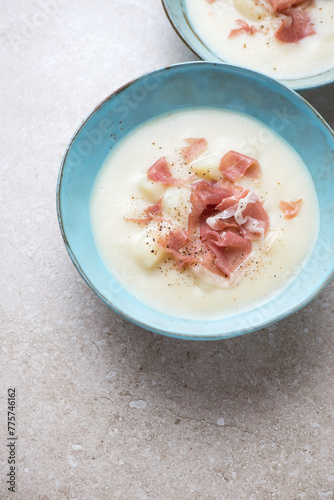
128	229
259	49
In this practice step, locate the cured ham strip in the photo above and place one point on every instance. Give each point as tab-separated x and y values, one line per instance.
231	208
235	165
295	26
228	249
227	235
248	213
176	239
211	216
296	22
226	204
290	209
195	147
153	212
257	219
172	244
281	5
244	28
248	197
231	251
205	193
160	172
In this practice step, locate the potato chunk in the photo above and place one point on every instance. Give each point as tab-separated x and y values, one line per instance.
151	190
176	204
207	167
147	252
251	9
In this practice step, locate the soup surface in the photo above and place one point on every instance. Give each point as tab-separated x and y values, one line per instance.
127	239
261	50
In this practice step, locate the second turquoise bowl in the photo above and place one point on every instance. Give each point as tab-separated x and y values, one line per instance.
176	12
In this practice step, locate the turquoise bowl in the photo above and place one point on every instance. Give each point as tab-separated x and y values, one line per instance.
189	85
177	14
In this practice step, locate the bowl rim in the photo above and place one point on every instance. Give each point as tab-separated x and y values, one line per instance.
183	335
305	83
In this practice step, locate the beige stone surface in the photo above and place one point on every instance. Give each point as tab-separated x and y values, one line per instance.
105	409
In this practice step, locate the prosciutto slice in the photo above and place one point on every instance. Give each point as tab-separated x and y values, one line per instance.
153	212
243	28
227	250
195	147
256	219
174	243
296	25
160	172
217	223
235	165
247	212
295	22
205	193
176	240
290	209
226	227
280	5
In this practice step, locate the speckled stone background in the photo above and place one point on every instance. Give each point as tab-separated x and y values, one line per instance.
106	410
